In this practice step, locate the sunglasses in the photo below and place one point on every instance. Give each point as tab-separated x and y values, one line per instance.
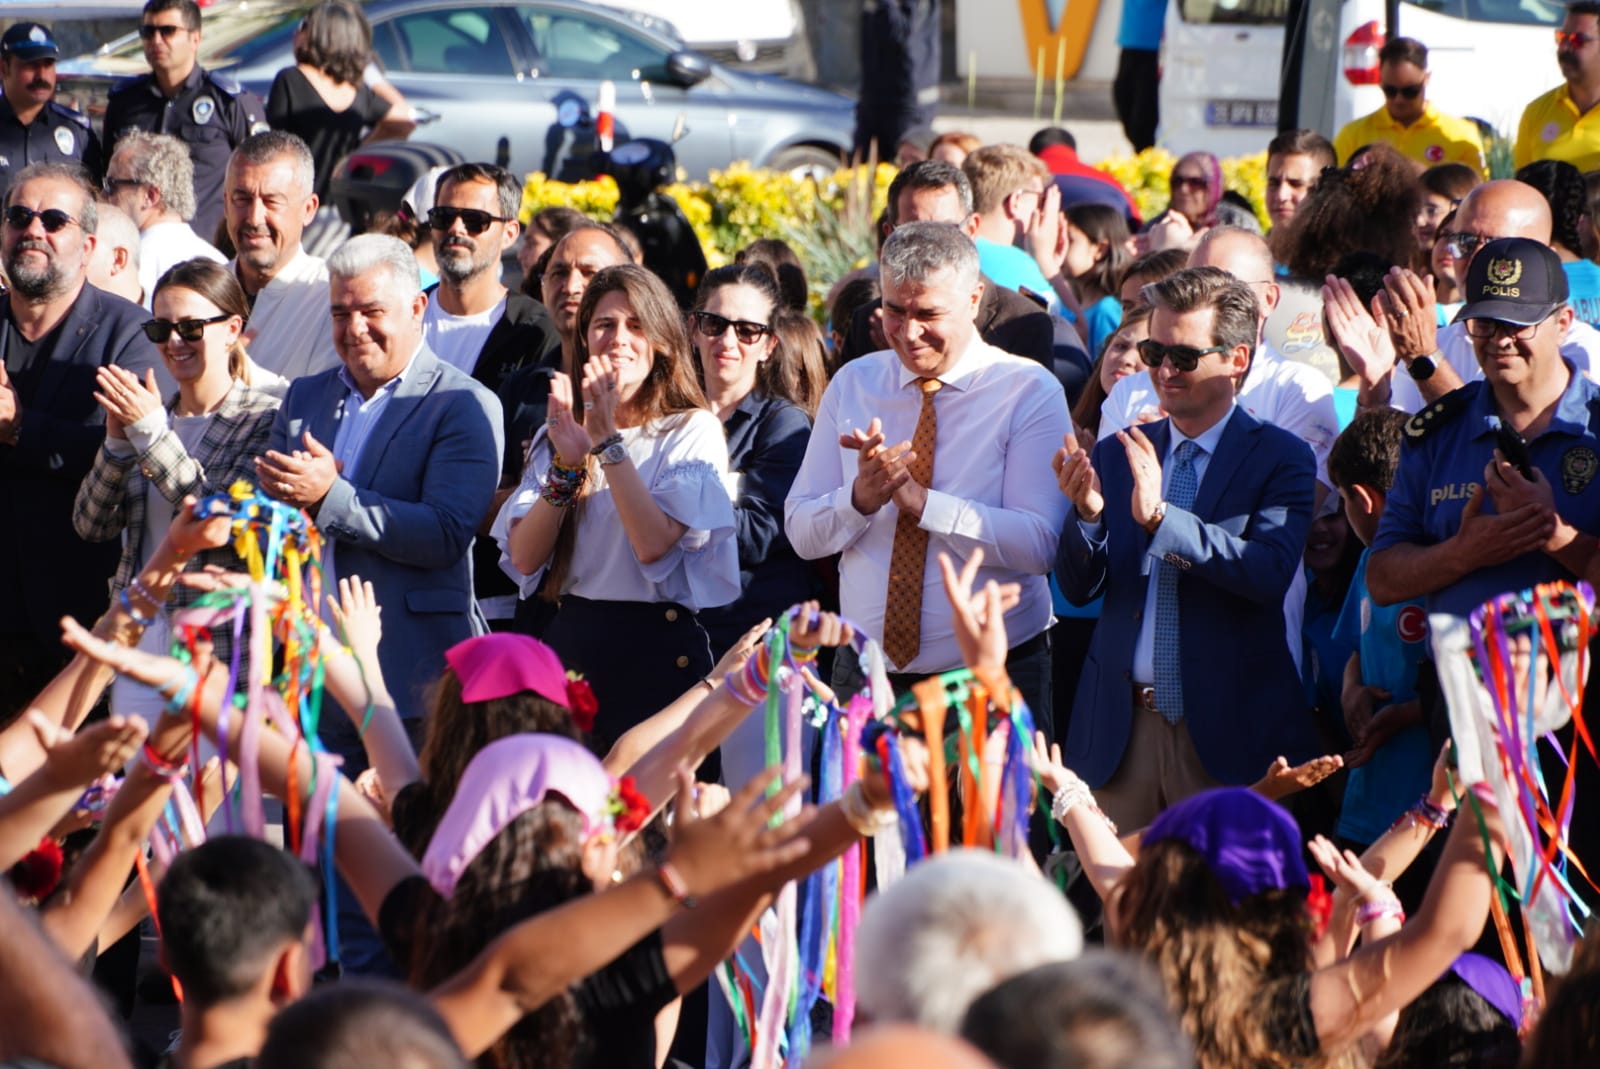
1569	40
1464	245
53	219
1183	357
111	185
159	330
475	220
1488	328
711	325
1185	181
1409	92
166	32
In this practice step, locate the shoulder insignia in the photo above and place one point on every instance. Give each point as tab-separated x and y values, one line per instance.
1436	415
70	114
225	82
122	85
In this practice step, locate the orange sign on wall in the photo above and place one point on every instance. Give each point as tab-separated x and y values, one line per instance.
1058	31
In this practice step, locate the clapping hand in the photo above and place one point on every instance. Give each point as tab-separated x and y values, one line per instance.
302	478
602	395
1406	310
880	470
1146	469
125	399
569	438
1484	540
1078	481
1367	347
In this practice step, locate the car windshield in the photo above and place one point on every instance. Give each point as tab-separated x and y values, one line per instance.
1235	12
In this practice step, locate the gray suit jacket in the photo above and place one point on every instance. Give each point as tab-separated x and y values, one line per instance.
404	517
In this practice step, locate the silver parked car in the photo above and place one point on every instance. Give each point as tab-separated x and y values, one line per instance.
484	77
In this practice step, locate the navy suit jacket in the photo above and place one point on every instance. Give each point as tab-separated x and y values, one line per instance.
1237	549
48	570
404	517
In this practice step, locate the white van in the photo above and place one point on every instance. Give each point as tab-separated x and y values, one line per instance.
1222	59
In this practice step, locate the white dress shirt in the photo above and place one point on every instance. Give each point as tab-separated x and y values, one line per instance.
1144	663
291	324
682	459
1001	419
165	245
1581	347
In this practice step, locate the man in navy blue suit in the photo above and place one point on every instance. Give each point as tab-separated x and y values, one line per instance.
1192	528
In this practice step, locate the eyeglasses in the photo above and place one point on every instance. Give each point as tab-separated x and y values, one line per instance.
1183	357
1489	328
159	330
1409	92
1569	40
111	185
1187	181
711	325
167	32
53	219
475	220
1464	245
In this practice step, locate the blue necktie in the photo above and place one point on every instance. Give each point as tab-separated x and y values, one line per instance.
1168	668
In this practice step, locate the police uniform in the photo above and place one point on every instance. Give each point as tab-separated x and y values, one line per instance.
211	114
1448	445
56	134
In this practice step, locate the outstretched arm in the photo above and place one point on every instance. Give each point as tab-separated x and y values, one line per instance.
71	763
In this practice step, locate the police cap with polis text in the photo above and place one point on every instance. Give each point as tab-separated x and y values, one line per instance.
1514	280
29	41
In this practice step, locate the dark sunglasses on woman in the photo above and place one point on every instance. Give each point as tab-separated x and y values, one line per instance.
159	330
711	325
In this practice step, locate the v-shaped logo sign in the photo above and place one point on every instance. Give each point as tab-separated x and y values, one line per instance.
1047	23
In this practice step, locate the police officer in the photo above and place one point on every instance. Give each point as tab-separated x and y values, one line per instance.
33	127
205	110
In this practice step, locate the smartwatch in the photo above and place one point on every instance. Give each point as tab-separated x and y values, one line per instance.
1421	368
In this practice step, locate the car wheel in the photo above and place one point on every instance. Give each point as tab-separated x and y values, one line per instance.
806	161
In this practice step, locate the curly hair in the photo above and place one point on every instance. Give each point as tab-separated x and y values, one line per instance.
1221	963
1562	185
1371	208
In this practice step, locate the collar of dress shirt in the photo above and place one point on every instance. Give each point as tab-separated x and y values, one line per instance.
1208	439
969	363
392	385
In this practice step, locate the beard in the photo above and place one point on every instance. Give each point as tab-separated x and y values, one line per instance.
457	263
31	280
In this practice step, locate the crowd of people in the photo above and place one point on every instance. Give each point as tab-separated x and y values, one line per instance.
1172	504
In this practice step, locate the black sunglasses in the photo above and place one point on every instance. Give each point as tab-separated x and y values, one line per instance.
712	325
54	219
1410	92
111	185
169	32
475	220
159	330
1187	181
1183	357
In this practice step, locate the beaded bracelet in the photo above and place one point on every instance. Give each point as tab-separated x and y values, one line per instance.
1072	794
127	606
562	484
1434	816
144	592
1374	911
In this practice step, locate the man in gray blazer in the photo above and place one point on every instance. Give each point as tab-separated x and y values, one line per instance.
396	454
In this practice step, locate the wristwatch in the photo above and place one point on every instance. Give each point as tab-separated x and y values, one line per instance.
614	453
1421	368
1156	517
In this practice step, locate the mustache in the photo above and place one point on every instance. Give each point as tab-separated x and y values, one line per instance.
459	243
40	83
31	245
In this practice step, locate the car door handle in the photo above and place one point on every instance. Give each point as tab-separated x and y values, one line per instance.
424	116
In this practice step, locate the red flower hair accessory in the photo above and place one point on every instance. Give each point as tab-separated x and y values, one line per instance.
581	702
628	808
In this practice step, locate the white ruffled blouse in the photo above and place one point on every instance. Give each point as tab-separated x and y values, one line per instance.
683	459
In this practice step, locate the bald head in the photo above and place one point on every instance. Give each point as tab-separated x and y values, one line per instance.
1244	255
901	1047
1504	208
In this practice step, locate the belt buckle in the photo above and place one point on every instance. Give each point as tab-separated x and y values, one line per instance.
1145	698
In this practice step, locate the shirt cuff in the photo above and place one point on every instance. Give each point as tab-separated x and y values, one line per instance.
143	432
939	512
121	448
1093	532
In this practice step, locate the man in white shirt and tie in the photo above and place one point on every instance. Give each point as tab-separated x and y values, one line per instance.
941	444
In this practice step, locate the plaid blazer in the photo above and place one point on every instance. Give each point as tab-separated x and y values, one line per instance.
111	499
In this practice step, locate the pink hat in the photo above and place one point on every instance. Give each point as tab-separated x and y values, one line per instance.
501	664
504	780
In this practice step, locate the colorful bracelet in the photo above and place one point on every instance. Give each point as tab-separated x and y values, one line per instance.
1434	816
160	766
673	883
144	592
563	485
1379	910
737	686
615	438
127	606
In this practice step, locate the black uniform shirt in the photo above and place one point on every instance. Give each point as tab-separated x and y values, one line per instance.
57	133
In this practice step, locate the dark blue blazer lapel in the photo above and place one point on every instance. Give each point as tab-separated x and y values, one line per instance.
417	384
1232	450
76	328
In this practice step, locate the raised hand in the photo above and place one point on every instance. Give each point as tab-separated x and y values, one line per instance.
1283	780
191	533
979	618
570	439
1146	468
125	399
880	470
1343	868
1046	760
1406	310
1366	346
1076	477
737	843
96	750
601	396
358	617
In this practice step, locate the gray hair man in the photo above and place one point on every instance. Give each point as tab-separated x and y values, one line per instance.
269	200
954	927
940	444
151	178
56	331
114	264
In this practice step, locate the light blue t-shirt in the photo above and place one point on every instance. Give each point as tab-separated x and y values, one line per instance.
1101	319
1011	268
1140	26
1392	641
1583	290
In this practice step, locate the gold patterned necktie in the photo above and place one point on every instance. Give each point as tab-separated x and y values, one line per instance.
908	561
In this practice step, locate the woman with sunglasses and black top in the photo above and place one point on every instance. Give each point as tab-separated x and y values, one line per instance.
199	442
623	503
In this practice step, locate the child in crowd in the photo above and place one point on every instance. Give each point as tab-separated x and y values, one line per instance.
1097	255
1392	756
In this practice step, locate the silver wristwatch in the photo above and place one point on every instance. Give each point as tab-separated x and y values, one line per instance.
615	453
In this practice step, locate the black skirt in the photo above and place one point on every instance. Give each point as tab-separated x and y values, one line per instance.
637	655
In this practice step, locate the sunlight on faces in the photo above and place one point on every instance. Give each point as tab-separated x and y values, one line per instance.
1511	362
28	83
377	327
1290	178
1204	394
1403	74
267	211
39	263
463	255
174	50
1122	354
578	258
941	205
192	361
728	363
1188	185
617	333
929	324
